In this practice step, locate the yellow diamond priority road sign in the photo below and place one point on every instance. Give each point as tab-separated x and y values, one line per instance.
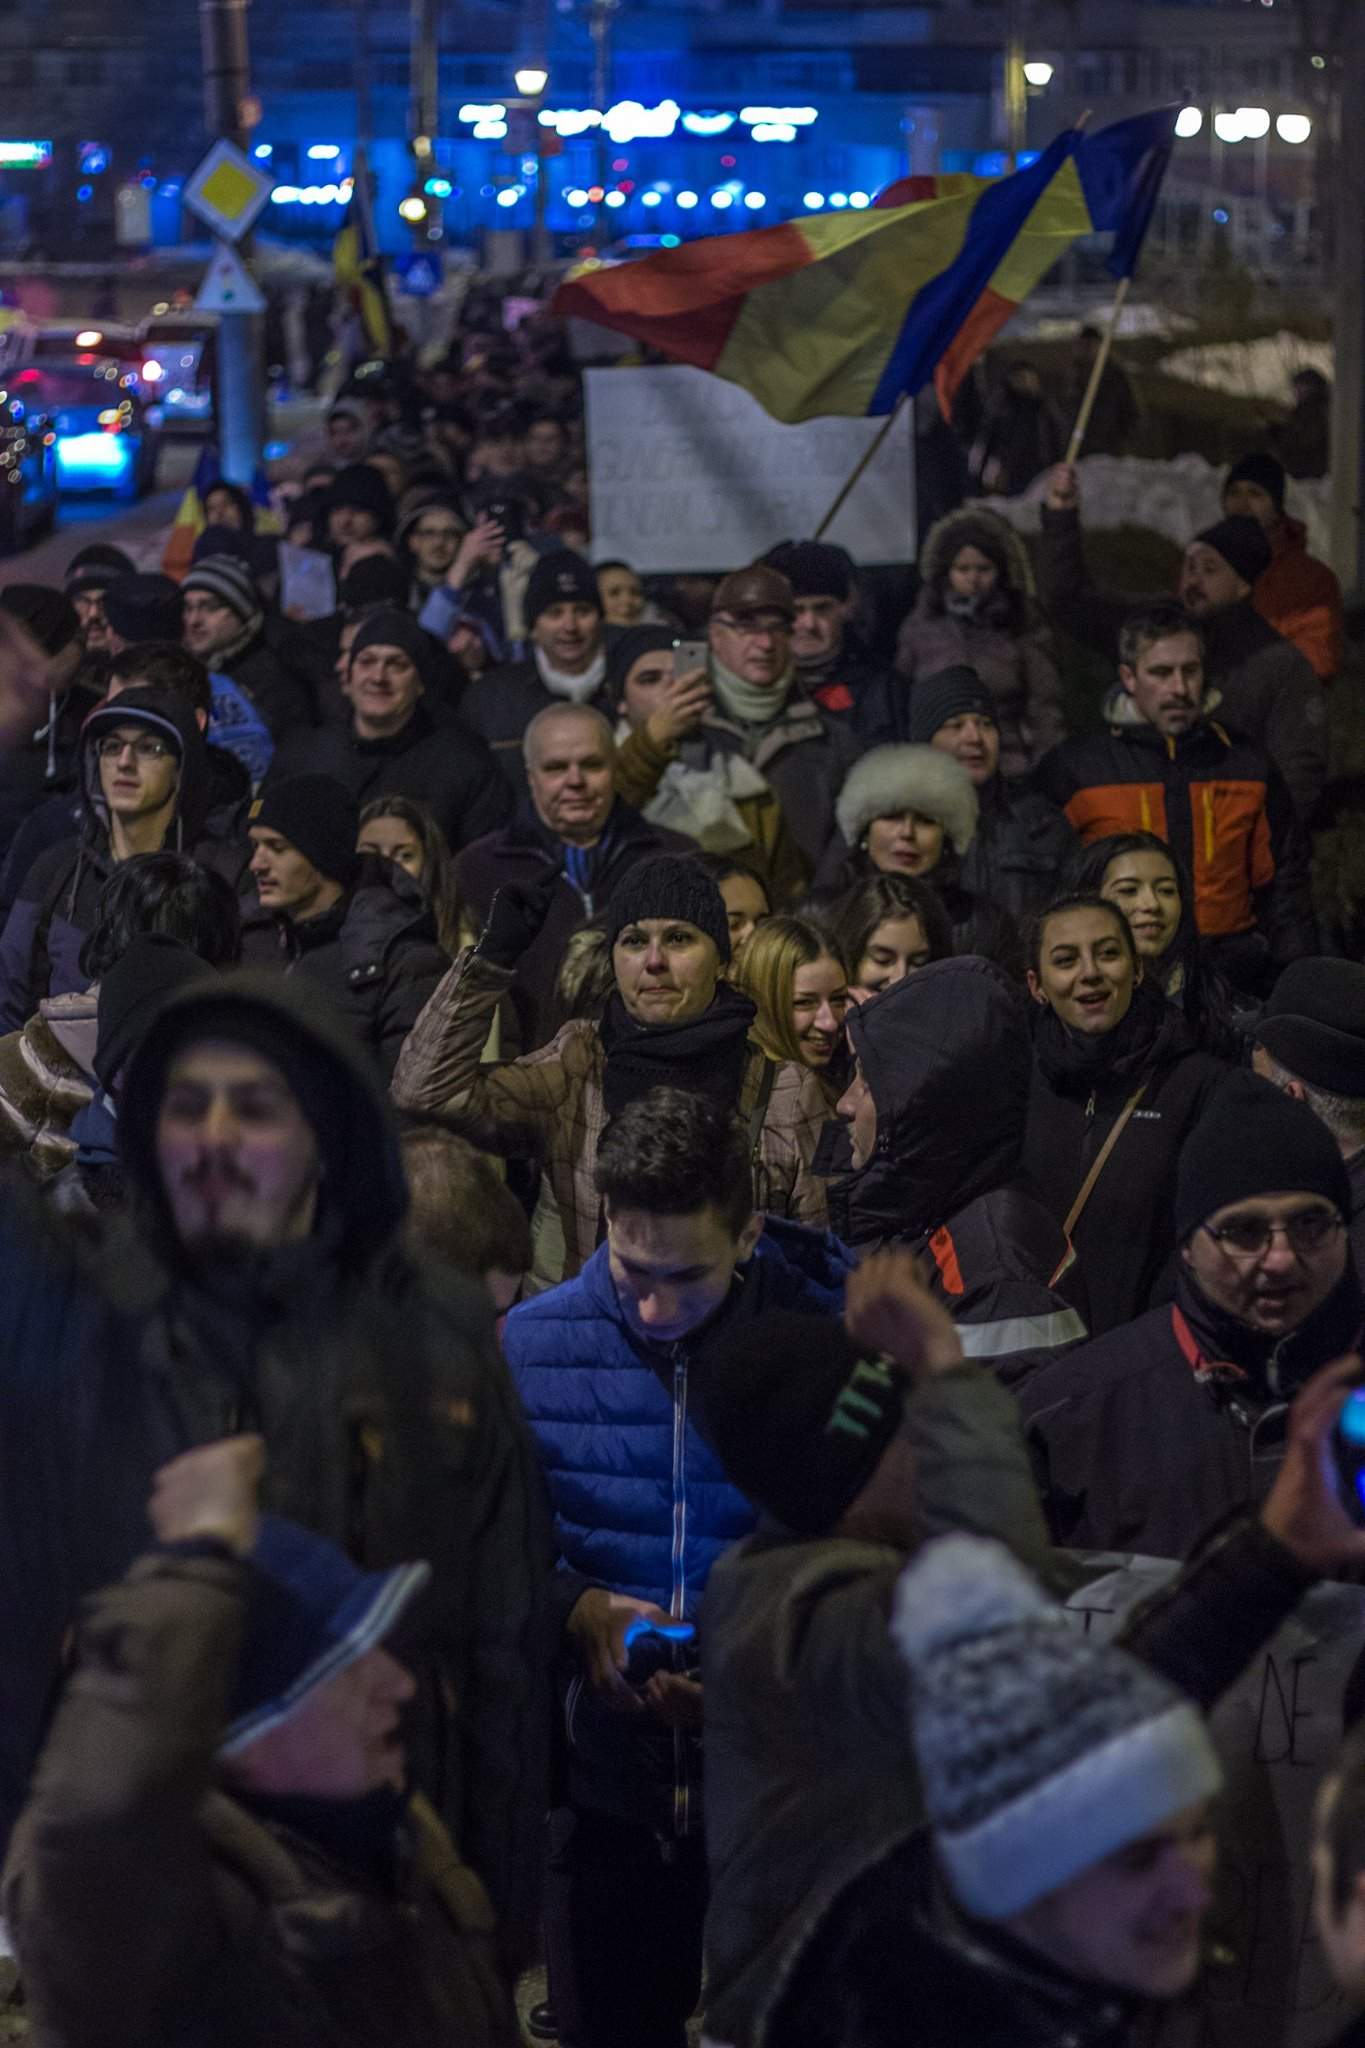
228	191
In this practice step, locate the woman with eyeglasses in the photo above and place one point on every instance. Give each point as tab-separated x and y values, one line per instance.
1149	1437
1118	1086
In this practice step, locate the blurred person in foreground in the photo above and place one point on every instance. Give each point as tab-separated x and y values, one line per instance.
221	1842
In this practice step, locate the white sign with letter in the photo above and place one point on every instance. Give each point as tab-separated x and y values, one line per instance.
688	473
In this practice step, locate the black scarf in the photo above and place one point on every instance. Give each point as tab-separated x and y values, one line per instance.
1333	1329
1074	1061
705	1055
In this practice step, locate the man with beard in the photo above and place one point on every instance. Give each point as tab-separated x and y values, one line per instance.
257	1282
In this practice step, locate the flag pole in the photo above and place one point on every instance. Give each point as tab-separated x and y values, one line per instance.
1097	370
863	460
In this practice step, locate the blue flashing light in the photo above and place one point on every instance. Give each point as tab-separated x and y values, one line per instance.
670	241
1220	214
1351	1421
1027	157
93	460
989	164
439	188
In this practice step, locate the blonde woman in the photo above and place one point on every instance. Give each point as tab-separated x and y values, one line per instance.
795	975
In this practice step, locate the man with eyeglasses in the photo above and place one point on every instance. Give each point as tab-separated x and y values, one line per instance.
1147	1436
145	786
428	538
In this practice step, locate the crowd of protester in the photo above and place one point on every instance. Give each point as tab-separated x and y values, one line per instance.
612	1182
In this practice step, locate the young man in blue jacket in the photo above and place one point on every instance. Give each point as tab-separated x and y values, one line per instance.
605	1366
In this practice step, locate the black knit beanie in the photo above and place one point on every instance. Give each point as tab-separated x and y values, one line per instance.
948	694
364	489
149	971
374	580
670	885
561	578
319	816
1314	1024
798	1415
1262	469
1255	1140
96	567
49	615
1241	543
145	608
814	568
626	651
390	627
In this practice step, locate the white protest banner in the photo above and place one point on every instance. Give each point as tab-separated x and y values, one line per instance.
1277	1731
689	473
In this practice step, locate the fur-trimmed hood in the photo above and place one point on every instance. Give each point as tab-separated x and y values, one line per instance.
953	531
892	779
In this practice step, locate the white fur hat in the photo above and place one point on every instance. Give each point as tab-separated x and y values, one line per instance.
892	779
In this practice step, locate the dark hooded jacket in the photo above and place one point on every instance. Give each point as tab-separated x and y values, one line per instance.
374	953
1123	1237
56	906
438	762
946	1055
45	763
1146	1436
389	1422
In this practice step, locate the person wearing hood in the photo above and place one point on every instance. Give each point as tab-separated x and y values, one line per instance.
359	507
427	537
1118	1087
1268	691
1146	1436
976	610
349	924
670	1022
567	662
44	761
394	745
1297	595
952	1191
248	1844
826	650
225	626
913	810
258	1280
606	1365
146	786
1021	840
667	768
349	430
1166	763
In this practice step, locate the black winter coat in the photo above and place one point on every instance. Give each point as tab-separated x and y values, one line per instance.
276	680
1145	1437
374	953
440	763
389	1421
500	705
43	765
1124	1237
944	1180
1022	844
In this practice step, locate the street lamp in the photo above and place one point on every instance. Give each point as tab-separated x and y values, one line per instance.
1255	122
1038	72
1188	122
1293	128
1228	127
532	80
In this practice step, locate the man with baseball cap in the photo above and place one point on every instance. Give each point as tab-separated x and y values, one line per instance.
566	664
249	1843
671	1022
1144	1436
1310	1041
225	625
1297	595
402	739
1268	691
352	925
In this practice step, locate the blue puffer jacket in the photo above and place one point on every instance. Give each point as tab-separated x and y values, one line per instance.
641	1504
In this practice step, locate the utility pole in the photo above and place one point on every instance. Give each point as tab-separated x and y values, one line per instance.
229	111
599	24
424	117
1348	391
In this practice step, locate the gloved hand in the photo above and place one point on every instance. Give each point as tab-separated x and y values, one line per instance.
516	918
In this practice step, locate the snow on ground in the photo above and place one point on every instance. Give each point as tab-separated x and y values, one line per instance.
1252	369
1175	498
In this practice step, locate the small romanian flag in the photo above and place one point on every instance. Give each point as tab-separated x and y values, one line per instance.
846	313
359	267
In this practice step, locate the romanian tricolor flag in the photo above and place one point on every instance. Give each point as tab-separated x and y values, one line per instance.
847	313
359	267
189	521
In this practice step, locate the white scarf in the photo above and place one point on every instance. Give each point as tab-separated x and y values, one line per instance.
578	689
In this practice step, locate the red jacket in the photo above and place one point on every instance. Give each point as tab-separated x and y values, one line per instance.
1301	598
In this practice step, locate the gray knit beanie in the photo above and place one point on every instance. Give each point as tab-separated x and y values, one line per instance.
1041	1750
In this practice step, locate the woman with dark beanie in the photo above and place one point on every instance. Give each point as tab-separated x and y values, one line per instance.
1118	1086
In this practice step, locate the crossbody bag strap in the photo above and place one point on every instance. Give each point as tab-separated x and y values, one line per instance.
1098	1163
